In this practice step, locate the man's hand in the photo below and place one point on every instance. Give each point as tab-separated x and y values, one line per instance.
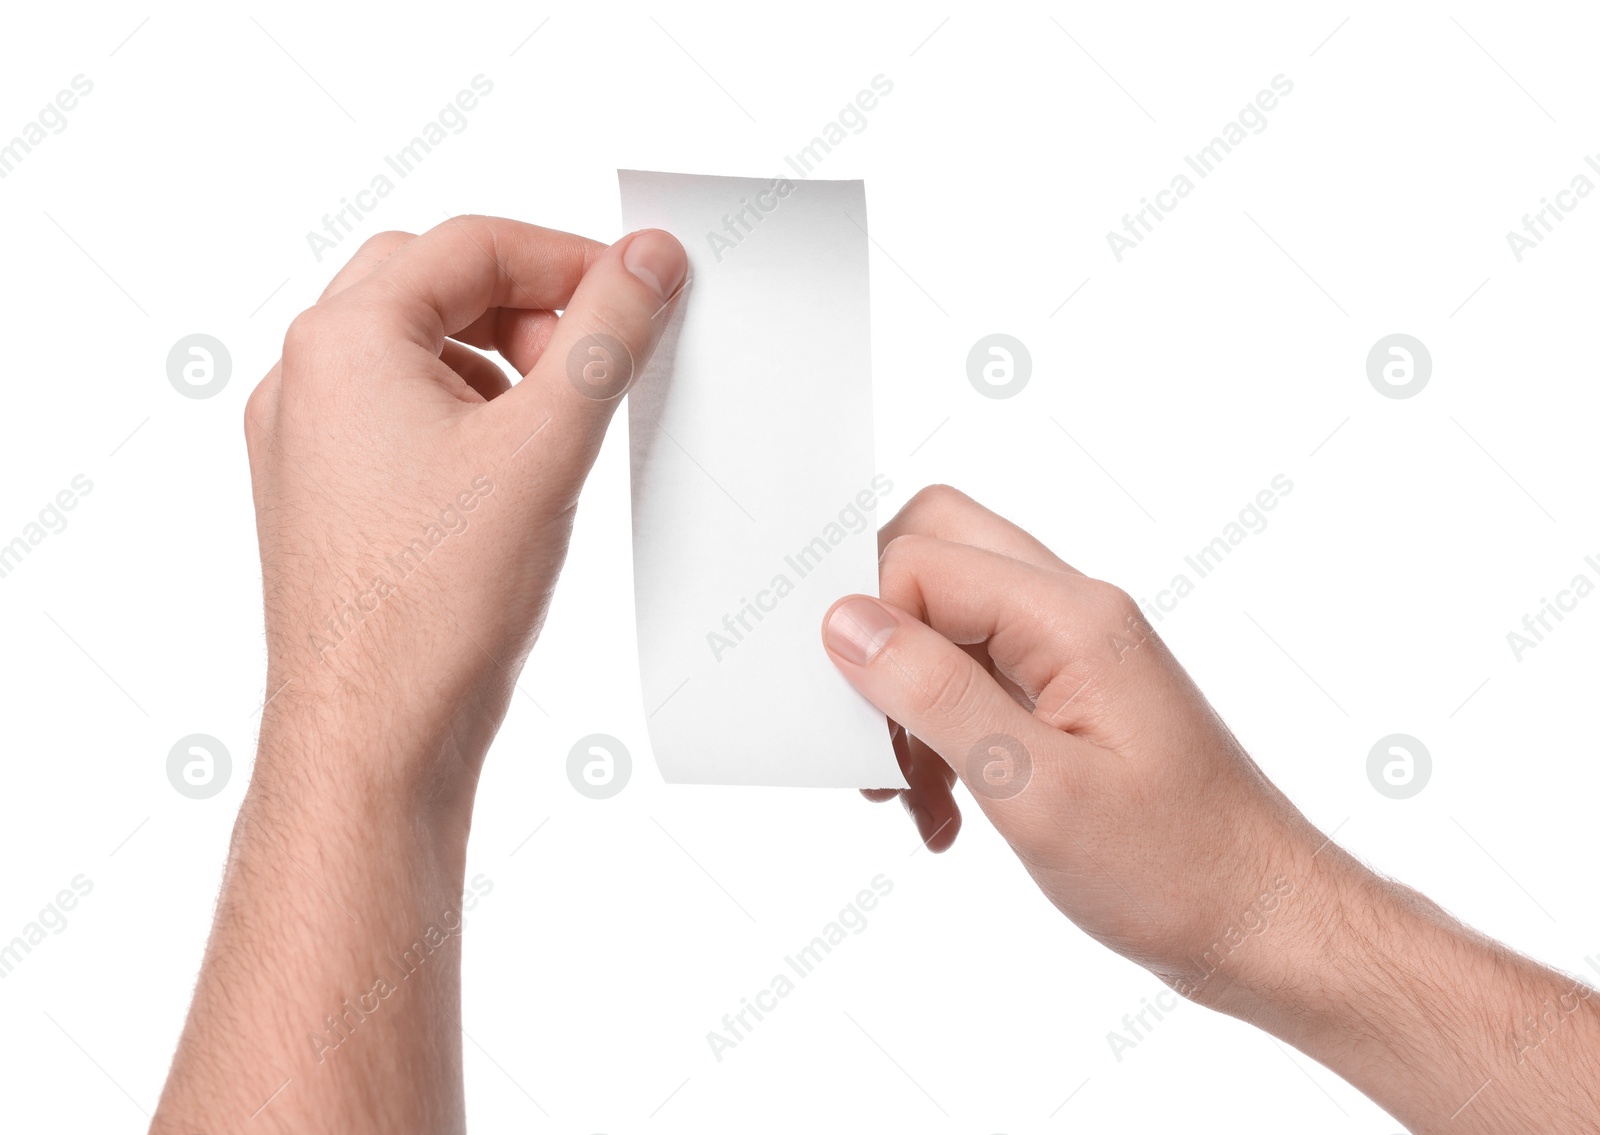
1141	817
413	506
413	509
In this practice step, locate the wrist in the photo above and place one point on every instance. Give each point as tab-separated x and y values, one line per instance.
1276	952
1423	1014
420	707
325	766
1331	956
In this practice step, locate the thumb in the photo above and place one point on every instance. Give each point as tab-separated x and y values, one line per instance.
562	406
944	698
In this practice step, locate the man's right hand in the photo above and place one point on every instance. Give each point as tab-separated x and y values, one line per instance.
1143	819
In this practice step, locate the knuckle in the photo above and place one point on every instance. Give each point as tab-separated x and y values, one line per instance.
897	574
901	569
895	559
600	363
381	245
461	220
1111	606
937	499
255	409
469	234
609	314
477	228
305	332
947	684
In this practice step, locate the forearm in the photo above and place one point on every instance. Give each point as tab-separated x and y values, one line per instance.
413	507
1446	1029
329	994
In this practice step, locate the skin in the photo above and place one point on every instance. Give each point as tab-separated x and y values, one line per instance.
413	509
350	844
1143	820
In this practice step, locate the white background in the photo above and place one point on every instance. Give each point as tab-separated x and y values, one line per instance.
1213	357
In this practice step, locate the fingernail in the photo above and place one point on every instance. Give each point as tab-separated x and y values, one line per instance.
658	259
858	629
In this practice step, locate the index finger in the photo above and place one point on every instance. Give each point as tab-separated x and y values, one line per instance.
441	282
949	514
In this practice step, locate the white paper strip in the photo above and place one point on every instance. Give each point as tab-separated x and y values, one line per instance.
754	497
